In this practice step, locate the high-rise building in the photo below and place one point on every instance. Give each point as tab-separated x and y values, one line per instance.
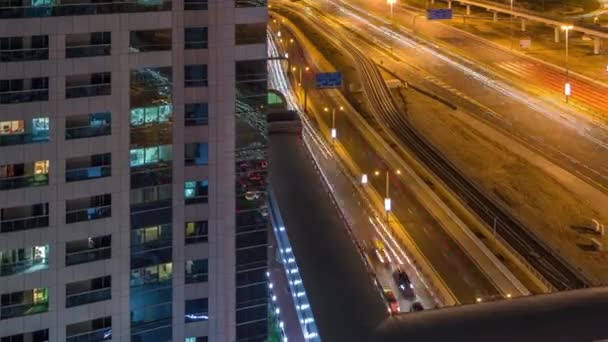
132	170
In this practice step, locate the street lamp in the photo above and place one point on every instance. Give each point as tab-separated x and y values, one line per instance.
511	26
567	88
306	69
391	3
387	199
334	131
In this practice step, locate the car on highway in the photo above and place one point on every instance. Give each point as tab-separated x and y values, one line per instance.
391	300
380	252
416	306
403	283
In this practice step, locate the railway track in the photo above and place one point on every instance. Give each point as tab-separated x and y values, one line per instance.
384	109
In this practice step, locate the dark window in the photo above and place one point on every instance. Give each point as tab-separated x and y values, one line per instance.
88	250
47	8
197	271
250	3
196	231
19	49
99	329
250	33
24	217
88	291
252	314
89	167
196	114
34	336
88	44
88	208
150	40
196	191
196	310
254	331
251	84
196	154
85	85
193	5
195	38
88	125
24	90
16	176
24	303
17	132
195	75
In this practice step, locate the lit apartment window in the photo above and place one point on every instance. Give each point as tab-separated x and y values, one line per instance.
195	75
25	175
24	90
149	238
250	33
24	303
88	125
197	271
151	115
196	191
89	167
17	132
150	40
195	5
151	155
19	49
86	85
197	339
196	114
88	291
196	232
24	260
34	336
88	208
88	250
88	44
196	154
151	275
195	38
24	217
197	310
99	329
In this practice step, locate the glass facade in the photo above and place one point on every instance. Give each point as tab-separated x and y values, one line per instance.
151	158
251	211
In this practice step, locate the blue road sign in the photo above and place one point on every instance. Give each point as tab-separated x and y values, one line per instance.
329	80
439	14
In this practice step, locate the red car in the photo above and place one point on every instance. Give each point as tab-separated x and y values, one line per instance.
393	305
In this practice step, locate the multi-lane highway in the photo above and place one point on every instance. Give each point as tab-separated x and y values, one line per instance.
453	265
523	97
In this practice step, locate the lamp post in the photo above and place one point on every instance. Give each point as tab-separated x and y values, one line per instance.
391	3
567	88
387	199
334	130
306	69
511	26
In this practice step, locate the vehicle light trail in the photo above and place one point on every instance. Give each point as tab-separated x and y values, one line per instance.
279	81
499	86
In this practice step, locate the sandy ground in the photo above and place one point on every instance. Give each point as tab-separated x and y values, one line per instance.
555	214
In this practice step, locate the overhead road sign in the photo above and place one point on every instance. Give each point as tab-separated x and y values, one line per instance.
329	80
439	14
